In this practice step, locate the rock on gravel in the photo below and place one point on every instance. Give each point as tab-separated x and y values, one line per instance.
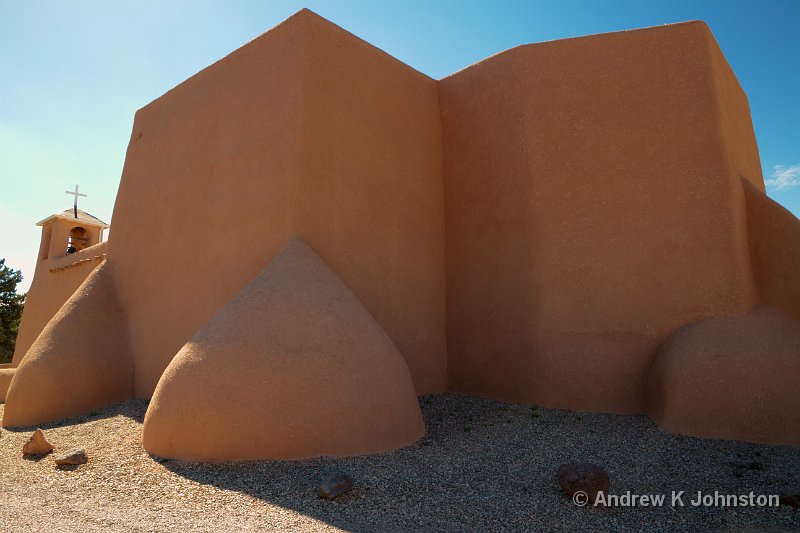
583	477
75	456
483	465
335	485
791	499
37	444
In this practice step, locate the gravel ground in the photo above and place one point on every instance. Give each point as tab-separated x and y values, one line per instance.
483	466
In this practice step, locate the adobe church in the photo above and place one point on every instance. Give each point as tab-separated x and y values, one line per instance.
309	234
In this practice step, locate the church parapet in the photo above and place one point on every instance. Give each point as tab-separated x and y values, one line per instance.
91	254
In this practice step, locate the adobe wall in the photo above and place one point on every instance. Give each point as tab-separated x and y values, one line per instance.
54	281
775	250
590	210
6	375
78	363
585	200
305	131
340	388
730	377
733	111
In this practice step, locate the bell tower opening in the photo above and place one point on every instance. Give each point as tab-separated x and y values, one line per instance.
77	240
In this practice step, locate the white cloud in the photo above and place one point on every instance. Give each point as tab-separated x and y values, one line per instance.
784	178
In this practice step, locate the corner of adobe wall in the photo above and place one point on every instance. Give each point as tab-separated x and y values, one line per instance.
346	156
774	237
593	206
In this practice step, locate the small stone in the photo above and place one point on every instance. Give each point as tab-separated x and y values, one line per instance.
583	477
335	485
75	456
791	499
37	444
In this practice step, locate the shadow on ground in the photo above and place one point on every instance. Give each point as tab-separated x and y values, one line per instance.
486	465
483	465
133	409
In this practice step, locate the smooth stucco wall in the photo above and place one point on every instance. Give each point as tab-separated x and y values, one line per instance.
733	111
297	368
305	131
730	377
6	375
775	250
80	360
583	199
49	291
590	211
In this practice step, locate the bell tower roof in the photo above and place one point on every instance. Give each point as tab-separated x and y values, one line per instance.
83	217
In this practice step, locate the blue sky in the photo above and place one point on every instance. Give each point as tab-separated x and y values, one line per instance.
74	72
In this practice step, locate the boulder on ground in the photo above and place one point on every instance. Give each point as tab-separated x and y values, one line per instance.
791	498
75	456
583	477
335	485
37	444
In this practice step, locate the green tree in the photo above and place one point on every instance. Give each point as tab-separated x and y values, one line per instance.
11	305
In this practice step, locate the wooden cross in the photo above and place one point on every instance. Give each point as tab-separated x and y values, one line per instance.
75	194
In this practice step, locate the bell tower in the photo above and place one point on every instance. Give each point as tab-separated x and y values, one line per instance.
65	233
62	264
69	232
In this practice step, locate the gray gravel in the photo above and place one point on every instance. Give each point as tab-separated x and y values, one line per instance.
483	466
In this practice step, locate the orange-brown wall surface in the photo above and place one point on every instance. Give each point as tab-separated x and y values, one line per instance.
532	228
49	291
79	362
305	131
775	250
733	111
593	205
